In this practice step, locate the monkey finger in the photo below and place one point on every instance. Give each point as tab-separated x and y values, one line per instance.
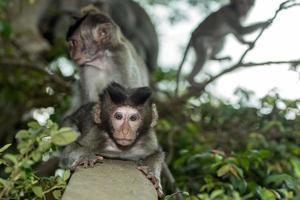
75	165
84	163
160	193
99	158
73	168
92	163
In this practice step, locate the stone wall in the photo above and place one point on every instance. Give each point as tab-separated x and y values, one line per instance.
110	180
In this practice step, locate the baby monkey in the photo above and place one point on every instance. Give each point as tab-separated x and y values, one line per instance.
120	126
208	38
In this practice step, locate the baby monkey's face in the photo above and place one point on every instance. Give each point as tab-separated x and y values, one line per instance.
125	122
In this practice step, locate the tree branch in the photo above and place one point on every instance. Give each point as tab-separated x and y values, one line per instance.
195	93
36	67
252	64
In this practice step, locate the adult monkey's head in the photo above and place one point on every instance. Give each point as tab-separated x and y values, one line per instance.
242	7
90	36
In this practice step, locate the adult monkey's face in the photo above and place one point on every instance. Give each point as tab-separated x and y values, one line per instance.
88	38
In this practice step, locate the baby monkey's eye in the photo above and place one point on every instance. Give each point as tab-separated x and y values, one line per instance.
118	116
134	117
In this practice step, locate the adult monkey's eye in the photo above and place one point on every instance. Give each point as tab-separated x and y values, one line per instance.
72	43
134	117
118	116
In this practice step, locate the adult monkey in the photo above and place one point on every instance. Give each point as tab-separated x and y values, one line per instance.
134	22
209	37
103	54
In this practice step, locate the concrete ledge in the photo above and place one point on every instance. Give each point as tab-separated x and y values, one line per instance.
111	180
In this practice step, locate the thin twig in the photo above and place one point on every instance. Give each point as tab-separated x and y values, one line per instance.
237	66
252	64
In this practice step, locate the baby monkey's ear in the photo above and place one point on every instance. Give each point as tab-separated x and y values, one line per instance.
96	113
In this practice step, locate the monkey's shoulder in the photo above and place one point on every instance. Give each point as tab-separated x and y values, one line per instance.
83	117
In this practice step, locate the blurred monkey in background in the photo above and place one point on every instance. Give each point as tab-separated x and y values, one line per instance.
208	38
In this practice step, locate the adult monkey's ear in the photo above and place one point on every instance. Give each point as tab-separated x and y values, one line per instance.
154	116
97	113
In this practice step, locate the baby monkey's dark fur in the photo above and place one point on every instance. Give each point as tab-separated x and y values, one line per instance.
99	136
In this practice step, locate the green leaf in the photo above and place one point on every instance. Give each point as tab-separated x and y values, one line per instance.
239	184
185	193
56	194
64	136
296	167
33	125
216	193
36	156
266	194
224	170
67	175
5	29
2	162
38	191
3	182
4	147
12	158
279	179
22	134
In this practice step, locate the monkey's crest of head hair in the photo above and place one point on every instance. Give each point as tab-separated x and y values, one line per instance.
116	92
140	95
120	95
74	27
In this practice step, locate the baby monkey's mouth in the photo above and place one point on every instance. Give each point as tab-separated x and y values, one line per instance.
123	141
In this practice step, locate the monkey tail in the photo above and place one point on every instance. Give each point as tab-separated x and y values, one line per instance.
172	182
180	67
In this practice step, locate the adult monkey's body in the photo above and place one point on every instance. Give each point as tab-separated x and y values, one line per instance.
103	55
137	28
209	37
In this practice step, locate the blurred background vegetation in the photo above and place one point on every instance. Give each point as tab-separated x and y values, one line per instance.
216	149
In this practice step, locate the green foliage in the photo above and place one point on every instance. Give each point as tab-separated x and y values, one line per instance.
20	180
224	151
217	150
